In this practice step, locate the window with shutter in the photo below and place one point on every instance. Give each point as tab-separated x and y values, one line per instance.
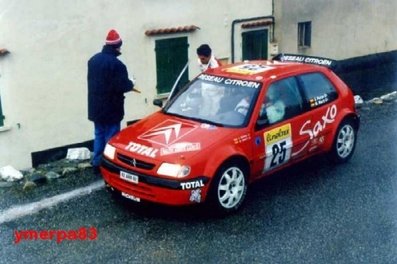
255	44
171	58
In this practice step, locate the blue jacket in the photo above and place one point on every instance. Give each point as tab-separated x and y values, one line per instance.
107	82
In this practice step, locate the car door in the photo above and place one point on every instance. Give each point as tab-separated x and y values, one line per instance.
320	96
278	140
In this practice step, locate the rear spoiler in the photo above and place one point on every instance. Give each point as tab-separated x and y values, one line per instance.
306	59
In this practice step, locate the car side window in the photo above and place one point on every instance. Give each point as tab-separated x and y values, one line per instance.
282	101
317	89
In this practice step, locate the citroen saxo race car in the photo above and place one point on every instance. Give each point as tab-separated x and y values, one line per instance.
231	126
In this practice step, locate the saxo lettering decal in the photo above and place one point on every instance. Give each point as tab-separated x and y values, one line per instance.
314	130
278	145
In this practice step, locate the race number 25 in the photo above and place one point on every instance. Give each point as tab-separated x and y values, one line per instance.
278	145
279	152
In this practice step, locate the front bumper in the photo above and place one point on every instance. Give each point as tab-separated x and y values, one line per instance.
155	189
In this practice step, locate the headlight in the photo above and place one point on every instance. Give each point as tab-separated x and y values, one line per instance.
173	170
109	151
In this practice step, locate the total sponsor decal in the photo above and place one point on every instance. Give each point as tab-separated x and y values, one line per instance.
278	142
192	185
141	149
314	130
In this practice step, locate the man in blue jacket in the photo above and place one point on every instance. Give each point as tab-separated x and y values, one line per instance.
107	82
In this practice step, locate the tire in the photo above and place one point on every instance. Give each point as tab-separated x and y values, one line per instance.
229	188
344	142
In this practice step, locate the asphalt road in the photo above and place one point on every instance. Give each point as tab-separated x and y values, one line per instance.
314	212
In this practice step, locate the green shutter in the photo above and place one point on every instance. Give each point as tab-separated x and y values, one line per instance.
171	57
255	44
1	115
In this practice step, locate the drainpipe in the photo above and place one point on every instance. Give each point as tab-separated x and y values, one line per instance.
246	20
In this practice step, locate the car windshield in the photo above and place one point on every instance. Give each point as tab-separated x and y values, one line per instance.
216	100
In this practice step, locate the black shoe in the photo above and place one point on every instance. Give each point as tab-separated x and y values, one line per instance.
96	170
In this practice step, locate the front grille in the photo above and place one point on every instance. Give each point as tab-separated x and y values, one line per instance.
174	184
135	162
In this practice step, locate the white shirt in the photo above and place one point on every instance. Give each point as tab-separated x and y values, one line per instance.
275	112
212	63
242	107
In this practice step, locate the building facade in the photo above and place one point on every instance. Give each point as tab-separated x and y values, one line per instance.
45	45
336	29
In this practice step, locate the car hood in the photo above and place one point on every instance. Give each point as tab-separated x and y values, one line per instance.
165	137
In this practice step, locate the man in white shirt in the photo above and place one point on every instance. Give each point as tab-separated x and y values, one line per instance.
205	58
243	106
275	111
211	95
273	106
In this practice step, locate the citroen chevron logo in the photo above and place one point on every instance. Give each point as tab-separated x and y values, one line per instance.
167	132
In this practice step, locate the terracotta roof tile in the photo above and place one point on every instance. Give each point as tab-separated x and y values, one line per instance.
261	23
173	30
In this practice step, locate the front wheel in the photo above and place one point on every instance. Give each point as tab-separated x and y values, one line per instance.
229	188
344	142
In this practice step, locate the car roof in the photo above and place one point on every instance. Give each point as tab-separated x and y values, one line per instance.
260	70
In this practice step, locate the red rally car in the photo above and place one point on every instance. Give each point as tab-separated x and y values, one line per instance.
229	127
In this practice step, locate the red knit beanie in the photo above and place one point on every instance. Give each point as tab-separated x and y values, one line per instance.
113	38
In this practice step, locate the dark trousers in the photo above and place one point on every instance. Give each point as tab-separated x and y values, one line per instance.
103	132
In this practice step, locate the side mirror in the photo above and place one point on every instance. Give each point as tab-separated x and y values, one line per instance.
158	102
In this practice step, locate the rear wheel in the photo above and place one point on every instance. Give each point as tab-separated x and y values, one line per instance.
344	142
229	188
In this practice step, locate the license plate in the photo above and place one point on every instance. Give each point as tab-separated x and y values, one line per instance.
129	177
131	197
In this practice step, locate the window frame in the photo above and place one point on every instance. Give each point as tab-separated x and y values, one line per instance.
298	96
332	95
304	34
255	44
2	117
